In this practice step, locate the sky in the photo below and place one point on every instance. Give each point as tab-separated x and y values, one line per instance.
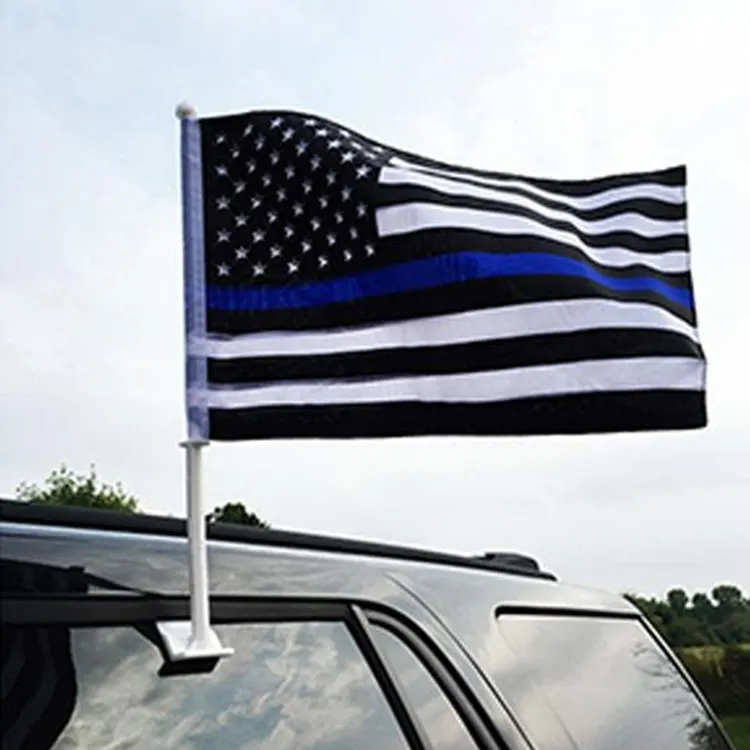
91	347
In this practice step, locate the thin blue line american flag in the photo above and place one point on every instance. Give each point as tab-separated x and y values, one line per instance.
349	289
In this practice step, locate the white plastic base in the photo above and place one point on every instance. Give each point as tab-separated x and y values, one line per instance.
182	646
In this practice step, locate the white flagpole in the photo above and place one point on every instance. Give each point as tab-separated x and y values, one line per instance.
199	641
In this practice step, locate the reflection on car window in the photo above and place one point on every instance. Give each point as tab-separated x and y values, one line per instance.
287	687
442	725
606	680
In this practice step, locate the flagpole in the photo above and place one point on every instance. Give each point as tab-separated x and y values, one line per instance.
201	642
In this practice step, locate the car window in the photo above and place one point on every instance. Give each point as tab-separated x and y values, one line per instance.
608	683
442	726
288	687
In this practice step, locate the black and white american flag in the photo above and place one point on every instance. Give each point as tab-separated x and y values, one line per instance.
336	287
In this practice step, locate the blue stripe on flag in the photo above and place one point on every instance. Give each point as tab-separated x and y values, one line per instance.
427	273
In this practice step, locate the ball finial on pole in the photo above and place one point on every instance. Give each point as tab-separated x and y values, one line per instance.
186	111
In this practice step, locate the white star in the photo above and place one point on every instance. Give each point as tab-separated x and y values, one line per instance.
353	233
322	261
362	171
256	201
310	122
331	178
221	170
306	246
222	203
307	186
251	166
347	255
288	231
292	266
239	187
272	216
277	122
323	200
346	193
298	209
266	180
281	195
321	132
248	129
222	235
223	269
315	163
345	133
241	253
220	137
331	239
258	236
378	149
335	143
240	220
315	223
275	251
370	250
289	172
259	142
259	269
274	157
356	145
339	217
301	147
361	209
287	134
347	157
235	152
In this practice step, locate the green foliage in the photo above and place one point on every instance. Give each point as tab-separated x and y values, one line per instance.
711	635
723	674
64	487
721	618
738	728
236	513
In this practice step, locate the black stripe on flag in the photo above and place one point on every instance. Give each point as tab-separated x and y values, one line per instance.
552	415
474	356
669	177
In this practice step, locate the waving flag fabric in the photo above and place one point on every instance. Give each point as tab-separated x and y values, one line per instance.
337	287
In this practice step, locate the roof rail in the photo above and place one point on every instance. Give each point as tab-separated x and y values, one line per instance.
137	523
512	559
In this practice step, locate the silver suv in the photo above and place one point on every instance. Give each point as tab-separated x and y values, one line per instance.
338	645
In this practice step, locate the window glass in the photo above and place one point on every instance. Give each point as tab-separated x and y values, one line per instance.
287	687
606	680
442	726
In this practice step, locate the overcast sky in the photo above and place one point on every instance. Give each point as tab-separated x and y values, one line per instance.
91	367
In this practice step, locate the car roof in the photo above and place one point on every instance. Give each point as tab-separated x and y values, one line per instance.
512	563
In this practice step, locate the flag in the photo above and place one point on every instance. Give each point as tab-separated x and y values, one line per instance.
337	287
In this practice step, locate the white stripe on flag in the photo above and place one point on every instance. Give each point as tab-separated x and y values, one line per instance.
622	222
596	376
457	328
413	217
649	190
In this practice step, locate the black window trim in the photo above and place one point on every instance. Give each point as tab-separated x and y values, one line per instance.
448	679
84	611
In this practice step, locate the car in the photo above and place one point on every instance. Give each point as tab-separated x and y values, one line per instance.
327	644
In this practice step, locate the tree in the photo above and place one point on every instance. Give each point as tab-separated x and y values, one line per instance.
727	598
236	513
64	487
678	601
721	618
